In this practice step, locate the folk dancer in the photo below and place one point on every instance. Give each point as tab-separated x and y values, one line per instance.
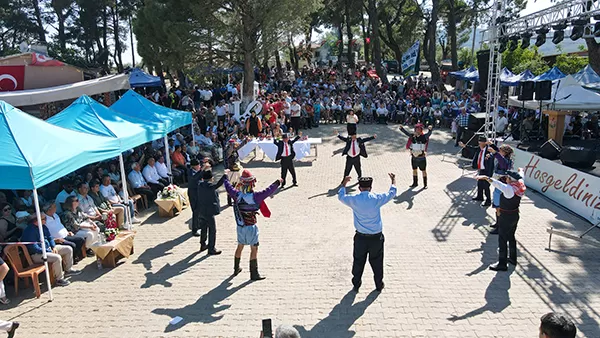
246	205
194	177
417	144
353	150
286	153
512	188
484	165
208	206
502	163
369	238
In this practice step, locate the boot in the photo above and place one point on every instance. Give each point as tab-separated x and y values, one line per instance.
236	266
254	275
424	182
415	182
499	266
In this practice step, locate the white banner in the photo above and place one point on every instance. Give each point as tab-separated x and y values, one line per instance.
410	58
571	188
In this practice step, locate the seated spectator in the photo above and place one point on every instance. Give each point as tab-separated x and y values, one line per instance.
103	205
86	202
57	254
185	154
557	326
161	168
152	177
109	192
60	234
178	168
76	222
62	196
138	183
9	232
99	173
193	149
3	272
26	197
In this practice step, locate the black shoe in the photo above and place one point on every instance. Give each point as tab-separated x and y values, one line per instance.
486	204
13	328
498	267
512	261
480	199
380	287
214	252
203	247
494	225
90	253
355	288
236	266
254	275
195	234
413	185
295	184
494	232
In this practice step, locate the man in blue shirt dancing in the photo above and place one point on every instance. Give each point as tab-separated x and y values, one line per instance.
367	222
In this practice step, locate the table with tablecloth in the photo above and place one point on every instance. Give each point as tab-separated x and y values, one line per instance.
110	252
301	147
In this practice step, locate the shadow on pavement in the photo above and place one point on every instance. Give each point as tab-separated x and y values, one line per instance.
160	250
204	310
488	251
496	296
341	318
162	276
407	196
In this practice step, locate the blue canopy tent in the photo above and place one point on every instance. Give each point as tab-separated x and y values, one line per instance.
460	74
472	76
139	78
507	78
551	75
526	75
163	120
588	78
35	153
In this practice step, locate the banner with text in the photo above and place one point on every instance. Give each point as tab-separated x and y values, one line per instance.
410	59
571	188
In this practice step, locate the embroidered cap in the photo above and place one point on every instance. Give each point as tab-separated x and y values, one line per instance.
247	177
365	182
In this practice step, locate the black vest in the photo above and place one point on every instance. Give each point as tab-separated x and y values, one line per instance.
510	204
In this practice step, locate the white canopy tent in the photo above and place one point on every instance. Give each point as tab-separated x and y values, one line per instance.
567	94
70	91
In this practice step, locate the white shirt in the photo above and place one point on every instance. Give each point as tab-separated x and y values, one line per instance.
55	226
136	179
62	198
352	119
109	192
221	110
287	151
295	110
161	169
382	111
150	174
354	149
87	205
501	124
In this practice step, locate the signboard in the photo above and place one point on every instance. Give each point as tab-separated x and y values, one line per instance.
410	59
571	188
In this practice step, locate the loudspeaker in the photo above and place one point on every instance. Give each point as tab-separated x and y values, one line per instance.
578	157
470	138
550	150
468	153
543	90
476	121
525	90
483	63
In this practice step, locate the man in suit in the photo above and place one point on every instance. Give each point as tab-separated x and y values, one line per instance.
194	177
483	161
286	153
208	206
354	149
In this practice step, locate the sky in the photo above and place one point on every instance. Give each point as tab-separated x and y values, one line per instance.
532	7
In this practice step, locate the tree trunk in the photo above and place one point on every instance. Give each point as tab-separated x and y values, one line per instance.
279	68
375	40
391	42
248	47
430	43
340	44
452	34
41	33
365	32
593	54
131	40
116	33
350	51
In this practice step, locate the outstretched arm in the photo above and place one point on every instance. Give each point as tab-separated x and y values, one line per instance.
384	198
345	139
405	132
260	196
367	139
220	182
229	188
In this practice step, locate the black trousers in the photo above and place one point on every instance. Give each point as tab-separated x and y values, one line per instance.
373	246
459	132
352	162
156	187
296	123
287	164
76	243
195	215
144	191
351	128
208	228
483	187
507	244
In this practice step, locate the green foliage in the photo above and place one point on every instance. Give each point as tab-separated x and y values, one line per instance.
520	59
570	64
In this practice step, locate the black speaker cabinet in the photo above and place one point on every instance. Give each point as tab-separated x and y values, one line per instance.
476	121
525	90
543	90
578	157
483	62
470	138
550	150
468	153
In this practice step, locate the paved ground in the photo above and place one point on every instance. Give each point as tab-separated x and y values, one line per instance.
437	251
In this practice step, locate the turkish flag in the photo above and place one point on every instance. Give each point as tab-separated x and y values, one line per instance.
43	60
12	78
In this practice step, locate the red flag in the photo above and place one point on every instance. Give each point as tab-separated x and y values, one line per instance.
12	78
43	60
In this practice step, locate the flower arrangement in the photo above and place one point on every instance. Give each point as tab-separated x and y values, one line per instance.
111	228
169	192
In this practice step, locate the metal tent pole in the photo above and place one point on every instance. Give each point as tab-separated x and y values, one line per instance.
125	193
38	213
168	158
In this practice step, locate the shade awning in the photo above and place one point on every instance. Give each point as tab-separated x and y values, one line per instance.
35	153
89	116
139	78
551	75
65	92
164	120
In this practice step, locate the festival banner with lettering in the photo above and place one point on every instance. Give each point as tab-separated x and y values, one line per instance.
571	188
410	59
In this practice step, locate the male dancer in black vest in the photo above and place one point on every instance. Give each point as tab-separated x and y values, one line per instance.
512	187
353	150
286	153
194	177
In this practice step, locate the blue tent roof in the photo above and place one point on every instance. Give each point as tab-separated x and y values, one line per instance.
460	74
527	75
35	153
89	116
551	75
472	76
507	78
164	120
587	76
139	78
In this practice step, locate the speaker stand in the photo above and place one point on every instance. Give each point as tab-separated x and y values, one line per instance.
597	225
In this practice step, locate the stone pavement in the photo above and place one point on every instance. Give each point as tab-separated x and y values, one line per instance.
437	252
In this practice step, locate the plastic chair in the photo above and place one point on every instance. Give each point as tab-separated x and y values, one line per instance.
32	271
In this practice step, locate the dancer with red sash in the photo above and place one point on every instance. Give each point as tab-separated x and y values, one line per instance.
417	144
